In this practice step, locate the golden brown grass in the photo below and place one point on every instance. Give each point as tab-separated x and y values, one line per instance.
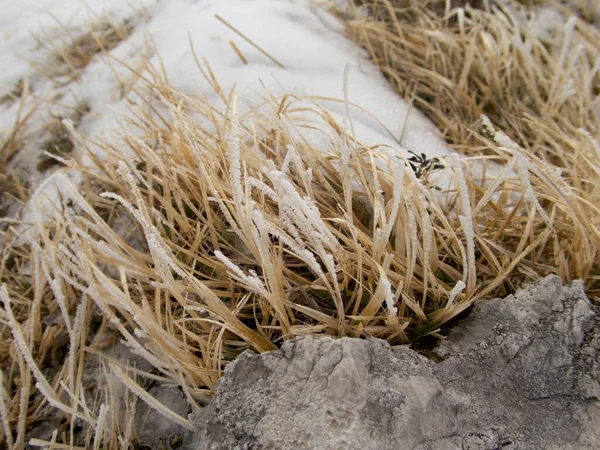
459	63
14	184
73	52
204	234
59	141
14	94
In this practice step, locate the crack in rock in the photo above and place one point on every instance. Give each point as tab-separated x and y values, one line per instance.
324	393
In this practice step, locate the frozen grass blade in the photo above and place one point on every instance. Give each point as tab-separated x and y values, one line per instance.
201	244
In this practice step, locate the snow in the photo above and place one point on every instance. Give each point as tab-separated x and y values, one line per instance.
19	19
305	38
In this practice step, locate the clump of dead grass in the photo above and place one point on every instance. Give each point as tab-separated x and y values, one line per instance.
14	184
458	62
59	142
69	55
11	140
13	94
203	234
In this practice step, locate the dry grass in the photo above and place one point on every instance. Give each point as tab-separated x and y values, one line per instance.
588	10
14	184
14	94
11	140
204	234
59	141
73	52
459	63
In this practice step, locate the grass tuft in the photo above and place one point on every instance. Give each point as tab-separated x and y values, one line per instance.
14	94
59	142
71	54
458	63
203	233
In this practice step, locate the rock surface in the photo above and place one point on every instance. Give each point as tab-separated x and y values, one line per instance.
518	373
153	431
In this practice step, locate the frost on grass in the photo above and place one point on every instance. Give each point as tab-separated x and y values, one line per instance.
250	240
532	70
253	234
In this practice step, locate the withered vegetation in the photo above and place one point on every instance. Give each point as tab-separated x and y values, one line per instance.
205	233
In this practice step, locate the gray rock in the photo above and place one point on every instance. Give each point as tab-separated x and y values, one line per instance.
153	430
518	373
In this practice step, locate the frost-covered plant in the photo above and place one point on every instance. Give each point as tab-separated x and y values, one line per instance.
210	243
249	241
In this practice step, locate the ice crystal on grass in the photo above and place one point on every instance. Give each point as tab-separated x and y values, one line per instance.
215	230
4	413
252	282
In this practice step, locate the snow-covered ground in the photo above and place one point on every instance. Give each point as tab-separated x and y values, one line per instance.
308	57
